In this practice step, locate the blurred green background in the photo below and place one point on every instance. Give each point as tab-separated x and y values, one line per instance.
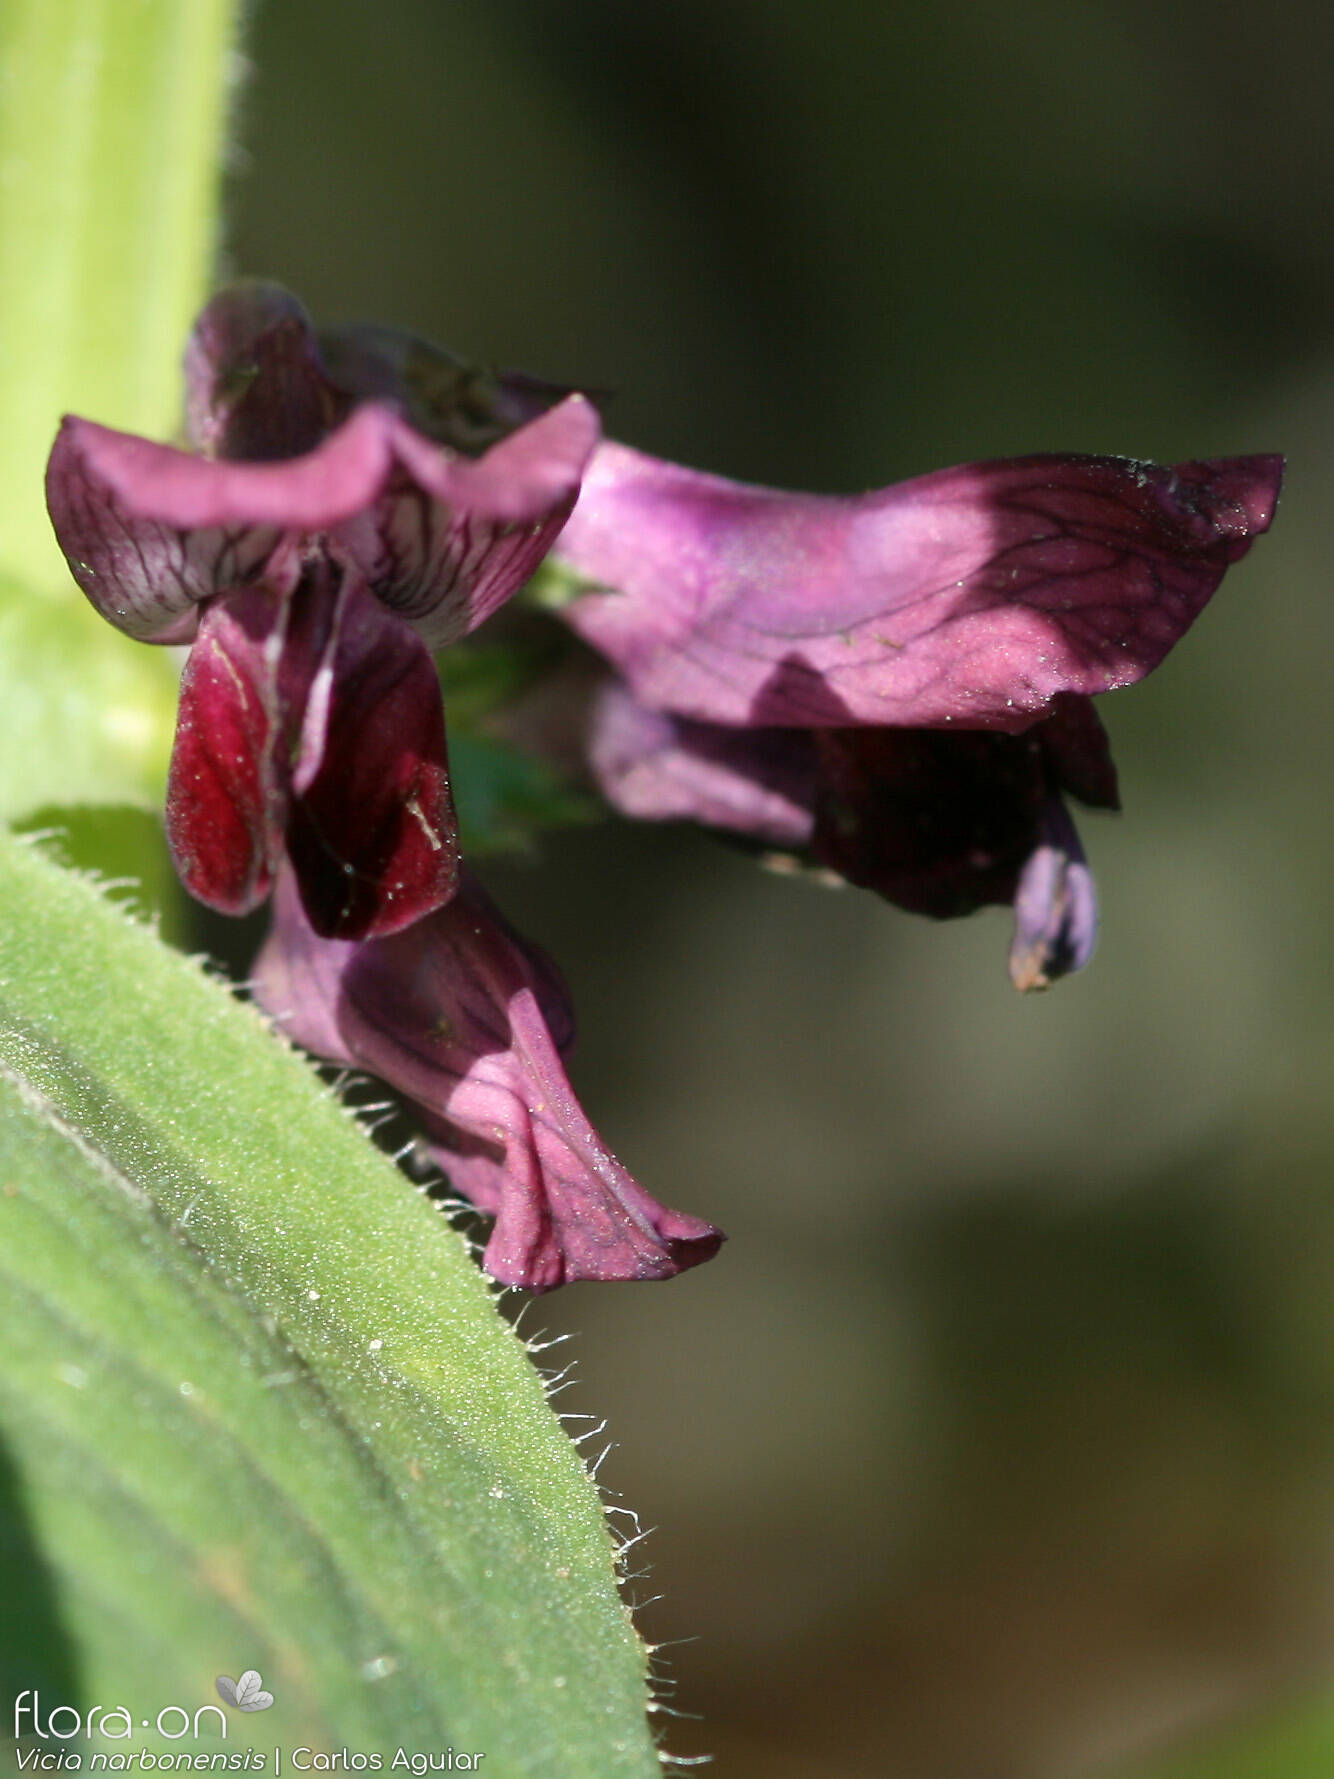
999	1442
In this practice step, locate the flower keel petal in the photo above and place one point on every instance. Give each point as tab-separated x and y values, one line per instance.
1055	906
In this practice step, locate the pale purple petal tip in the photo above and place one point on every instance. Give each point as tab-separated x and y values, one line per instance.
971	597
1055	907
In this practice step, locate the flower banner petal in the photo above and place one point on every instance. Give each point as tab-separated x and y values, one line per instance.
144	575
973	596
256	389
454	537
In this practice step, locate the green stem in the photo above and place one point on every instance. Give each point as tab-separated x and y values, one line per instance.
111	122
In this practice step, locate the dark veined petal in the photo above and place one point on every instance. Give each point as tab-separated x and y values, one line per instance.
658	767
454	537
143	575
973	596
150	531
456	1012
1055	906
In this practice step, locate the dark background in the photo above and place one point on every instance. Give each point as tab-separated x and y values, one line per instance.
999	1442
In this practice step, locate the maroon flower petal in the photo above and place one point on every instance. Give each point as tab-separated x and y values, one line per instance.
657	767
1078	752
455	1012
973	596
938	821
312	721
371	832
454	537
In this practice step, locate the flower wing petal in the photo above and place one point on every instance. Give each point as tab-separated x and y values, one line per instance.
972	596
939	822
657	767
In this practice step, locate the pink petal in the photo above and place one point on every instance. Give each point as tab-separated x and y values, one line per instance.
973	596
657	767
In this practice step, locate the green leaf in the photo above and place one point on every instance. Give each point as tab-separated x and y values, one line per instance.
504	793
259	1409
556	583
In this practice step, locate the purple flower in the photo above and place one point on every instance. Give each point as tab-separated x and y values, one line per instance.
469	1022
313	549
898	684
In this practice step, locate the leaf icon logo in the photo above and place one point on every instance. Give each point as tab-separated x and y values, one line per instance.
247	1693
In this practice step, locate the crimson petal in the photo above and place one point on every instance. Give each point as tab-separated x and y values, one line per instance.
227	791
